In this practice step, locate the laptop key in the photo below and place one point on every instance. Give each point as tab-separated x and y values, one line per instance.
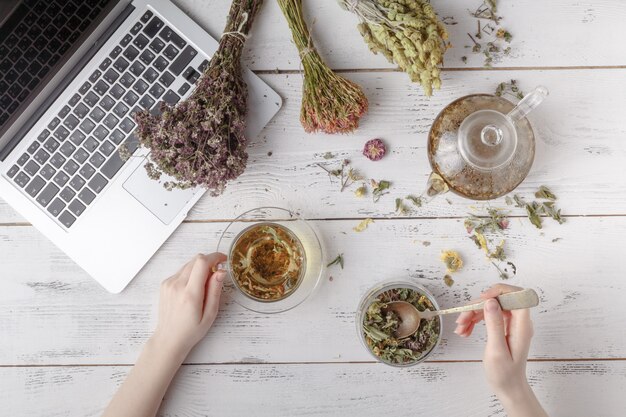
90	144
171	97
47	194
130	53
110	121
86	196
121	64
150	75
67	219
153	27
157	45
135	30
101	87
77	183
87	126
94	77
81	110
22	160
96	114
81	155
40	156
56	207
61	179
57	160
22	179
170	35
33	147
105	64
71	122
85	87
64	112
96	159
157	90
107	103
67	149
146	16
146	102
146	57
137	68
117	136
183	89
130	98
110	168
97	183
170	52
203	65
47	171
67	194
160	63
77	208
54	123
77	137
100	133
91	99
127	125
126	40
183	60
87	171
117	91
115	52
127	80
33	187
31	168
14	169
166	78
51	145
107	148
71	167
120	110
43	135
140	41
74	100
111	76
61	133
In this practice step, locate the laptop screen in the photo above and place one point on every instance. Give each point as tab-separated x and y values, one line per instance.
36	38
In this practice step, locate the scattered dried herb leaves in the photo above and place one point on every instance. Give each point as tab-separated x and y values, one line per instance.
452	260
337	261
363	225
447	279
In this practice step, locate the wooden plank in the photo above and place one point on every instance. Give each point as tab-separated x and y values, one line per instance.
52	313
585	31
448	389
580	148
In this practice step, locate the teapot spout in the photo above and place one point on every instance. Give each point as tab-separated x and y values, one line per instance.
528	104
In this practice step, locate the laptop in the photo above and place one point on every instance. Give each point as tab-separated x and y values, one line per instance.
72	73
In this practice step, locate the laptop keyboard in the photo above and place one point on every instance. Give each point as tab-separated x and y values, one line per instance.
37	35
77	155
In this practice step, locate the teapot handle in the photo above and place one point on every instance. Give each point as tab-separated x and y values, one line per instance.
528	104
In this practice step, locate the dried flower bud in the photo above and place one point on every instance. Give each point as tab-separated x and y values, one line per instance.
374	149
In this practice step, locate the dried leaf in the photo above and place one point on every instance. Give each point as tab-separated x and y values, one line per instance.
380	189
328	155
361	191
447	279
417	201
400	207
337	261
363	225
545	193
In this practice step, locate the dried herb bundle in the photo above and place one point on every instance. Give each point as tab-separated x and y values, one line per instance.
380	325
406	32
201	141
330	103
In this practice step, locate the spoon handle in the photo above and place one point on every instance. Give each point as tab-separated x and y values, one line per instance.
525	298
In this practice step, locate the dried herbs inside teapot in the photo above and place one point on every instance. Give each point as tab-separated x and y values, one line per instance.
379	326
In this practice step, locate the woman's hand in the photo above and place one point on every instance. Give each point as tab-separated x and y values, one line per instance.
508	340
188	304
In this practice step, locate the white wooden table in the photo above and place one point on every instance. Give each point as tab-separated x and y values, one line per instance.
66	344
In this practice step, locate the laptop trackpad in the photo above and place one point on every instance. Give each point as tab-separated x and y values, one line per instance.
164	204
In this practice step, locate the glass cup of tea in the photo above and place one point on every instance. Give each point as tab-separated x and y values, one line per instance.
275	259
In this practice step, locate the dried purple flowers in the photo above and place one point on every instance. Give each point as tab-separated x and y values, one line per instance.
200	141
374	149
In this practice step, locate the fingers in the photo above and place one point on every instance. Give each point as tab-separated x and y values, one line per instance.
494	321
466	321
201	270
499	289
520	334
213	294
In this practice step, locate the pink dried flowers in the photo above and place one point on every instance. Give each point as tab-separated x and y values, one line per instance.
330	103
201	141
374	149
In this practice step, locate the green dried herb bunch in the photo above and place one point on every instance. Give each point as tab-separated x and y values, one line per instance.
330	103
406	32
201	140
379	326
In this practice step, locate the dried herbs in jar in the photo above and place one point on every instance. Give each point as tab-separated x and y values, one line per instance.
379	326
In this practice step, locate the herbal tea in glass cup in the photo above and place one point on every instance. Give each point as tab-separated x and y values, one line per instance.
273	265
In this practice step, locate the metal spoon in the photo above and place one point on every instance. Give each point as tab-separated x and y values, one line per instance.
410	316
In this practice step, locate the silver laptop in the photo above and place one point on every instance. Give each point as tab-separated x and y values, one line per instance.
72	72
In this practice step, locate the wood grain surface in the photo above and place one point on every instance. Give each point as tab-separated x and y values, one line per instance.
66	344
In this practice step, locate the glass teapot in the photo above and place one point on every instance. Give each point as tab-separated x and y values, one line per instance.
482	146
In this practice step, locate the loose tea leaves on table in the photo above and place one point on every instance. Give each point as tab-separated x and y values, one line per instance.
267	262
407	33
374	149
379	326
330	102
337	261
363	225
201	140
452	260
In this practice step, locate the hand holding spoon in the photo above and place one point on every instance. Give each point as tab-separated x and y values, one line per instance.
410	316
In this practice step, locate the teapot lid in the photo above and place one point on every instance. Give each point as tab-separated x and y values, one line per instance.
477	149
